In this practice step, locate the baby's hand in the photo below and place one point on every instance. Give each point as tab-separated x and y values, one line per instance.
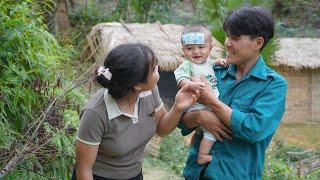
196	85
221	62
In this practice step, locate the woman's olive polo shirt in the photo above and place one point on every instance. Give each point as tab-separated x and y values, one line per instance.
121	137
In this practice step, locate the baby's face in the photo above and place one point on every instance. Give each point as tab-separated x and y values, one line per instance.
197	53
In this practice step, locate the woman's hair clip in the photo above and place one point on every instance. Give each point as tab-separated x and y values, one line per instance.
105	72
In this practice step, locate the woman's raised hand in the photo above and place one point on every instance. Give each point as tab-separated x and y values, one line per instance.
186	97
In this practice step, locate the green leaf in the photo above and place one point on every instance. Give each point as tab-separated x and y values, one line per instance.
234	4
269	51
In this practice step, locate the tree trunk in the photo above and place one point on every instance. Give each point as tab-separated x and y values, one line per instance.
85	3
61	19
277	7
72	3
189	9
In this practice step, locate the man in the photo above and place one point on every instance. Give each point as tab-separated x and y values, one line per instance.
250	105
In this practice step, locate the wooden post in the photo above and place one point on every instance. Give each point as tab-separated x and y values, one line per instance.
315	93
299	170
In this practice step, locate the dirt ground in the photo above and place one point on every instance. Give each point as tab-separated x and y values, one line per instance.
304	134
154	174
154	169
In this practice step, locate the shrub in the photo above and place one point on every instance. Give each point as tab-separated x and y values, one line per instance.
277	169
33	67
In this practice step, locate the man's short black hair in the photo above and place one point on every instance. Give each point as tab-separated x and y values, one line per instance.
252	21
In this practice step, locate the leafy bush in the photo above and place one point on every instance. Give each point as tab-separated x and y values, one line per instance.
29	59
277	169
129	11
83	18
314	175
299	18
33	70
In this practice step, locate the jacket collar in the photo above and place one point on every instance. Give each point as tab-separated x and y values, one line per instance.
258	70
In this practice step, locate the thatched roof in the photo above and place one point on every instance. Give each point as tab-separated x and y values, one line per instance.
163	39
298	53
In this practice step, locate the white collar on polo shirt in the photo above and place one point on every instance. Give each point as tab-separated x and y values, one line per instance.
114	110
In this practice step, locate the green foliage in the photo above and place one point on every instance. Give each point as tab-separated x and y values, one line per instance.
58	168
142	8
33	68
161	11
29	59
277	169
314	175
174	151
302	11
42	7
281	149
278	163
71	118
84	18
143	11
7	136
276	166
269	50
26	170
122	10
299	18
215	12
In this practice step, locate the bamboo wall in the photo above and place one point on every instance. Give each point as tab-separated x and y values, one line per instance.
315	88
303	97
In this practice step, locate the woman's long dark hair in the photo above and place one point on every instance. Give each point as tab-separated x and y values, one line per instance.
129	65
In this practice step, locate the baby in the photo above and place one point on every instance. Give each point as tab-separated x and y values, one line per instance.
196	43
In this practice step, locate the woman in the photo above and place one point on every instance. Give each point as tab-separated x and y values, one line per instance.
119	120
